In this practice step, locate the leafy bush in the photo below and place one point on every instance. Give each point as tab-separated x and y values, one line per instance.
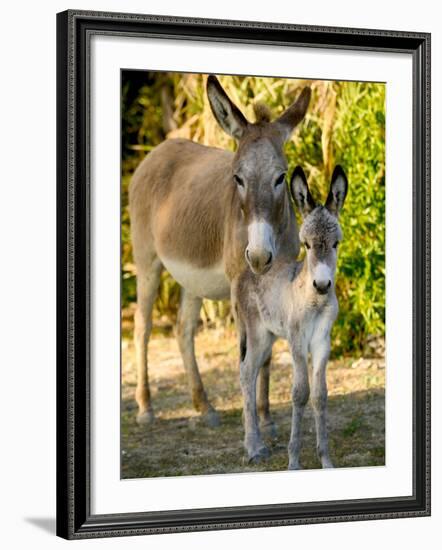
345	124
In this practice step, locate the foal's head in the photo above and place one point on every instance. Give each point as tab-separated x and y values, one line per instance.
320	231
259	168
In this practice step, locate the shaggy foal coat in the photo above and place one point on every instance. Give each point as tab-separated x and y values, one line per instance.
295	301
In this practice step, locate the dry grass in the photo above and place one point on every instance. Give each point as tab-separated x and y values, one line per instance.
178	444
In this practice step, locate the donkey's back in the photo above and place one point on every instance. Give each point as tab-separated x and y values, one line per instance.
178	167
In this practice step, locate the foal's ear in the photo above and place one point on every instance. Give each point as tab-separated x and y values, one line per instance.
292	116
300	191
229	117
338	191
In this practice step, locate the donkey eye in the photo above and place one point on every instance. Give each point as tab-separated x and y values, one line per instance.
307	246
238	181
280	180
336	244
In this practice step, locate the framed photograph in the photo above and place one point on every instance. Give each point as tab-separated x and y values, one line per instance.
243	274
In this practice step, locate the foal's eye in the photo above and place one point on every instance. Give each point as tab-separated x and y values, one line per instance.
336	244
239	182
280	180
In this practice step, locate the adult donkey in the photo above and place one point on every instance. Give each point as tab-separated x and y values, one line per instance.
204	213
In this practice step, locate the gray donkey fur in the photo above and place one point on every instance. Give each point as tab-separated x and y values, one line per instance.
295	301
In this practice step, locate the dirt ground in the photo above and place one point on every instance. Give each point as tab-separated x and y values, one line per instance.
177	443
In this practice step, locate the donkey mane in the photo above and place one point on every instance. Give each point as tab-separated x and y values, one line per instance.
262	113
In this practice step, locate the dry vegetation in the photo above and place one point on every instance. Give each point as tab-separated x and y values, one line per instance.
179	444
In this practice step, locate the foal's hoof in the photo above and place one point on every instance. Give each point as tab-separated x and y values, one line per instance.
146	417
261	456
295	466
210	419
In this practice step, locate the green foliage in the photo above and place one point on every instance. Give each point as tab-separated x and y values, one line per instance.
359	143
345	124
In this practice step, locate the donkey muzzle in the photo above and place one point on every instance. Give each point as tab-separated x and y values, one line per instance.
322	277
260	261
260	249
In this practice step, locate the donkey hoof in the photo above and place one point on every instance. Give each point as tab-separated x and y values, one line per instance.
146	417
211	418
261	456
327	463
295	465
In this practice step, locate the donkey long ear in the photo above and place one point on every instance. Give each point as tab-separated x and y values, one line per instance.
300	191
292	116
229	117
338	191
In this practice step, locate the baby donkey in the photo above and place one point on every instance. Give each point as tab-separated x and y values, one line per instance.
294	300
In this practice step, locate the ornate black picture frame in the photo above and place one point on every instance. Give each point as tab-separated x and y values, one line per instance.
74	518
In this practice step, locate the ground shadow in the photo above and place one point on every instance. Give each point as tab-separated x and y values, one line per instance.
178	444
46	524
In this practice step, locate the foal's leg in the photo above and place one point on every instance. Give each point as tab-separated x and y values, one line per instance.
148	280
300	395
266	423
188	316
320	354
258	348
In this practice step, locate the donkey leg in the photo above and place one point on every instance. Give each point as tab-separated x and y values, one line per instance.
148	280
320	353
300	395
257	350
266	424
188	316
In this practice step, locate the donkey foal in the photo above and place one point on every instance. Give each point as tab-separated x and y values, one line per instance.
295	301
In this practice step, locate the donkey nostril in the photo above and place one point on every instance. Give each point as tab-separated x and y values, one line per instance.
247	254
329	284
314	284
269	259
